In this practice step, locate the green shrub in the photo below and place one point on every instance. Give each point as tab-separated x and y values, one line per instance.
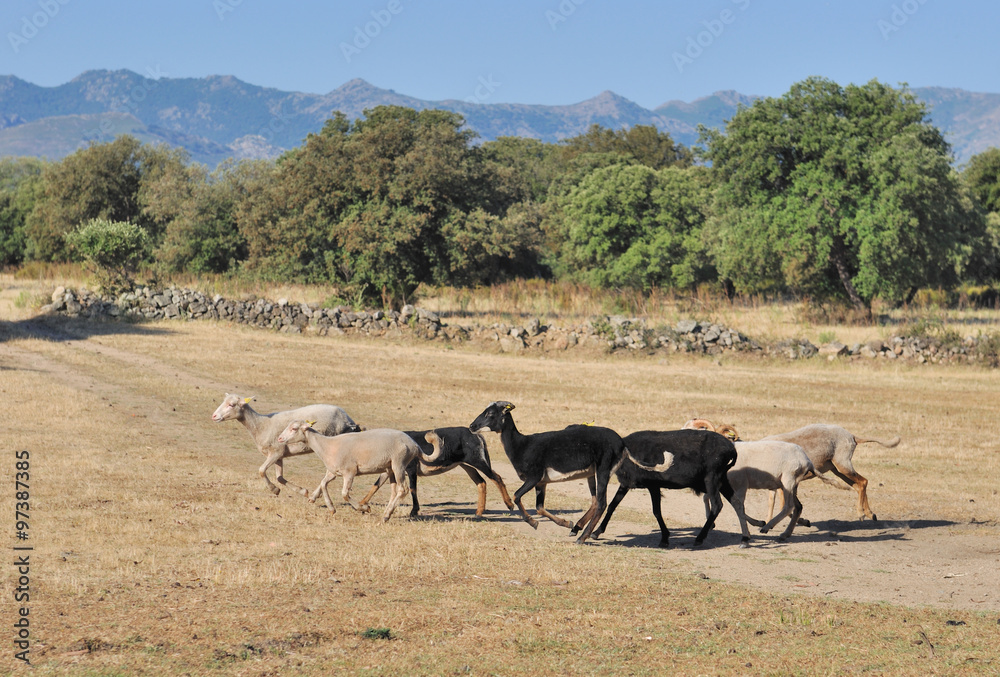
113	249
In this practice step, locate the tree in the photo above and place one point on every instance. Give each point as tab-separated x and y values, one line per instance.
640	144
631	226
982	176
838	190
20	188
106	181
112	248
383	204
200	210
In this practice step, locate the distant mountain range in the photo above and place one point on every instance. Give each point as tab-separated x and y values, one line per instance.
220	116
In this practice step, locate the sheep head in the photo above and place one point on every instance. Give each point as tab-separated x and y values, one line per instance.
295	432
231	407
492	418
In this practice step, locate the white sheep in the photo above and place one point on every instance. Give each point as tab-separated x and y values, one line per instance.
830	448
777	466
371	452
774	466
265	429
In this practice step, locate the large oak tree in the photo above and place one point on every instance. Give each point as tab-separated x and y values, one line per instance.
839	190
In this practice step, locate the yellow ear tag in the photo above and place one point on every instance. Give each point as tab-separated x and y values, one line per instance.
310	423
246	400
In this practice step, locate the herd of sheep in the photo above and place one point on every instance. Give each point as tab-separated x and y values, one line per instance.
710	460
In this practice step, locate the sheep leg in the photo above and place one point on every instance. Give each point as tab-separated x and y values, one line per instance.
735	498
772	498
484	467
345	492
271	459
411	473
480	487
655	499
788	506
525	488
280	477
379	481
587	516
619	495
796	511
540	508
715	501
396	494
860	485
326	494
399	490
603	477
777	495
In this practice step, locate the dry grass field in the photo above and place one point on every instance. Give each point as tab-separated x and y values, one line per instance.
157	550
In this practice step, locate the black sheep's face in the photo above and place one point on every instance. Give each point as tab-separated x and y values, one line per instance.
491	419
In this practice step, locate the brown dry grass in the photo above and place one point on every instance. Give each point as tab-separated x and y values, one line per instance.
159	552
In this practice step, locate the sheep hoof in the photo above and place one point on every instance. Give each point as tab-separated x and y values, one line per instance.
874	518
697	544
745	543
275	490
804	522
764	530
312	500
664	545
533	523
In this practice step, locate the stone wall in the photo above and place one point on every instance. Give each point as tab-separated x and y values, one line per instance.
611	333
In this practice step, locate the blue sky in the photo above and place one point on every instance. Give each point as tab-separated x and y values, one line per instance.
547	51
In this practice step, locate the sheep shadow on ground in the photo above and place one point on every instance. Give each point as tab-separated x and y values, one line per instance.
449	510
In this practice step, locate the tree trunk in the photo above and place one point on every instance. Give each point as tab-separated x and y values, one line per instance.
840	262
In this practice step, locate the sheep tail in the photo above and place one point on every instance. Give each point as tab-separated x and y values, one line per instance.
435	441
668	460
891	443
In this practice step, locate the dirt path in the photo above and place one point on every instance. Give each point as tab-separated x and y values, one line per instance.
911	562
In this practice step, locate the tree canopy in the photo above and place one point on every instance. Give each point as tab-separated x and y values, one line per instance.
838	190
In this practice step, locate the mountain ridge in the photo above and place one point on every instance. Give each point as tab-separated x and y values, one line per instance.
218	116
